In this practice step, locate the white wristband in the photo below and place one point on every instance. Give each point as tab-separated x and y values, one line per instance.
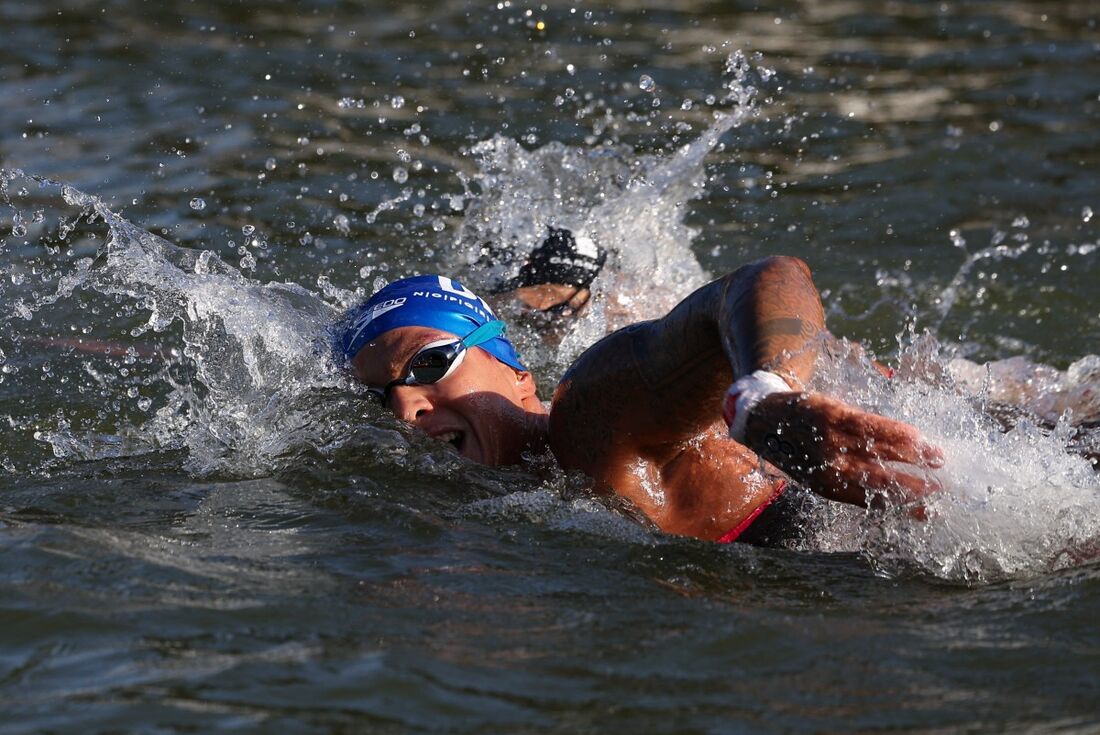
744	394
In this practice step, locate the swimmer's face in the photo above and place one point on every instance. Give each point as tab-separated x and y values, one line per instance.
484	408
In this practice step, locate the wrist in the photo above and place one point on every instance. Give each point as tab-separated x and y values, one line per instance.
744	395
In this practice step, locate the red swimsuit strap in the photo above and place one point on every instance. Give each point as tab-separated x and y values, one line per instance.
731	535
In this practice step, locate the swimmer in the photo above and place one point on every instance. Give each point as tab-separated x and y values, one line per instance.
701	419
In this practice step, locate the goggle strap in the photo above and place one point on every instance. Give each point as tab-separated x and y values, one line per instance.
483	334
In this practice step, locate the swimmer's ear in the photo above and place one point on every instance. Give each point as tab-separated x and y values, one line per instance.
525	382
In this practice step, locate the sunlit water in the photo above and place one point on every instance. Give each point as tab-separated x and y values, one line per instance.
205	526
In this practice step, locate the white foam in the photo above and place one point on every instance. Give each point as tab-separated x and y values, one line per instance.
1013	502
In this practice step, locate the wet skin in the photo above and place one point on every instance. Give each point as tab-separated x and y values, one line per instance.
487	410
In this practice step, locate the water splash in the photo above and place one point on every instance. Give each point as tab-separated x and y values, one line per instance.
997	250
1018	497
235	356
632	205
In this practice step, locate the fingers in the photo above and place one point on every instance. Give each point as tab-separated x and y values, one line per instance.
891	440
851	479
547	296
898	484
579	299
911	449
554	297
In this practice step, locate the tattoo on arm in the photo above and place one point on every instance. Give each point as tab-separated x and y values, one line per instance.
784	327
789	326
771	318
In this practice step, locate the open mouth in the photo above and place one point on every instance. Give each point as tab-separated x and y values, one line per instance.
455	438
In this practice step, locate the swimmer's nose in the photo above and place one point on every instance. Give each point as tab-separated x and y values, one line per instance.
409	402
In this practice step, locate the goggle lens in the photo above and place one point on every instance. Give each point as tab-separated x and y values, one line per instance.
431	365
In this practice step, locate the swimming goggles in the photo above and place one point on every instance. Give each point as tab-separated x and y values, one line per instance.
436	360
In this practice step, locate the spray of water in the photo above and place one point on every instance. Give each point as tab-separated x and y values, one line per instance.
633	205
1017	495
236	356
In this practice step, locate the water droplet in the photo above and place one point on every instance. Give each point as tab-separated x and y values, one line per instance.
247	230
198	204
1086	214
397	102
270	164
400	175
646	83
342	224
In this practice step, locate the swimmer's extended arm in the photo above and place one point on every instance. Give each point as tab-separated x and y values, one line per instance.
647	390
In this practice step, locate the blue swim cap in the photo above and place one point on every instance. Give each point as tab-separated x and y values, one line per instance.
420	301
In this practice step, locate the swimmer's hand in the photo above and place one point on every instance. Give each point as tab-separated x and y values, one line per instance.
842	452
556	297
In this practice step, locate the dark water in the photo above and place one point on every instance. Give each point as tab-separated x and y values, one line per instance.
212	532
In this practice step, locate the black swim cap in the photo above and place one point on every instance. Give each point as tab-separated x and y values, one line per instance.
561	258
